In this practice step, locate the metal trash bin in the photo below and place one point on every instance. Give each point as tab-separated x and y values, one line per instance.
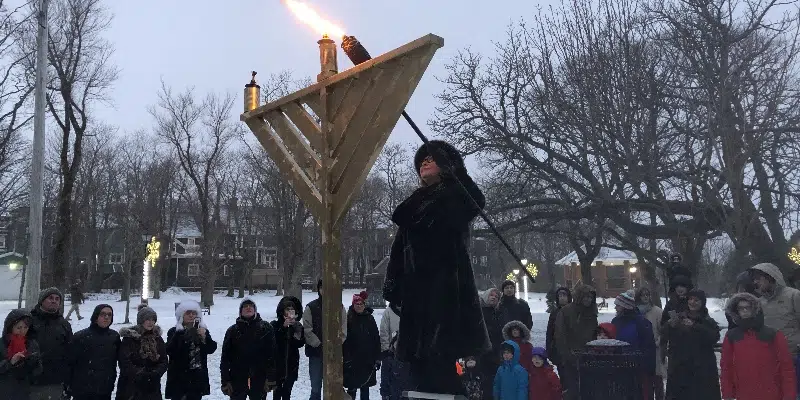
609	370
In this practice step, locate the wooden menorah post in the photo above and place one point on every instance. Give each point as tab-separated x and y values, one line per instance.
324	140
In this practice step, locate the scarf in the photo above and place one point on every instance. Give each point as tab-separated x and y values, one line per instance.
195	356
16	345
148	348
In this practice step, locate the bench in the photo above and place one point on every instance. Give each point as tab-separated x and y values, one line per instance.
603	304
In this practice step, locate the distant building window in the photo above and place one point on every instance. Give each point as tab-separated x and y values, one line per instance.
474	260
226	270
239	241
2	242
193	270
484	260
115	258
190	241
268	258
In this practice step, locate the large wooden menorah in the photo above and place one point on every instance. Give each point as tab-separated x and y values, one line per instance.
325	139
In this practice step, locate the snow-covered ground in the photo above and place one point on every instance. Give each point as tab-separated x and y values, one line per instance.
225	311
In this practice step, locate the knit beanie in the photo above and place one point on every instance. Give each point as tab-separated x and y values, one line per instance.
360	297
452	154
508	283
247	301
47	292
144	314
625	300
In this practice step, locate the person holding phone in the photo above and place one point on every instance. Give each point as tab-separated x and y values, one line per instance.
19	357
188	345
289	339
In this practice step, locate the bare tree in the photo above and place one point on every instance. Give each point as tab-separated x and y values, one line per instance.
81	72
201	132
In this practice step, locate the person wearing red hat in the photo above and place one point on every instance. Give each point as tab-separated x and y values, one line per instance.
362	349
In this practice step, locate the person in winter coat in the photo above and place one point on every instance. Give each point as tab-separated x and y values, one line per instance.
543	383
472	379
288	340
692	369
521	335
248	359
744	284
142	358
53	334
188	345
93	356
395	376
362	349
312	328
76	298
430	250
651	312
493	318
781	304
562	297
511	380
390	324
514	309
20	359
755	363
637	331
575	326
677	303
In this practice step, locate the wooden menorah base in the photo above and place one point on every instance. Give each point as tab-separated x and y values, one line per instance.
411	395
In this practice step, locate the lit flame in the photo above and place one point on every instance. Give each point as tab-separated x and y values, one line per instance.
311	18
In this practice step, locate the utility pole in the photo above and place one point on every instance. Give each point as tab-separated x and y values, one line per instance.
34	269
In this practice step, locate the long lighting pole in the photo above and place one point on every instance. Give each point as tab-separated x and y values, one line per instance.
34	270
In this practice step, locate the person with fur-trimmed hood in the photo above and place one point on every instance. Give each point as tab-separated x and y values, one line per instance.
142	358
690	337
289	338
575	326
561	297
430	250
362	349
188	345
755	363
20	358
247	364
94	353
779	302
53	333
521	335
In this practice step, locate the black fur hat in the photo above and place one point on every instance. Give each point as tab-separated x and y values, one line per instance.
451	152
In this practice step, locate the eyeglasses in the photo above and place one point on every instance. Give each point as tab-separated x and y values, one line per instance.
744	308
106	314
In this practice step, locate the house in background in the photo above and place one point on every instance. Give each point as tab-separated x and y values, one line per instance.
614	271
11	268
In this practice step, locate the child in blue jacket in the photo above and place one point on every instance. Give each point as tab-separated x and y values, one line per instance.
511	381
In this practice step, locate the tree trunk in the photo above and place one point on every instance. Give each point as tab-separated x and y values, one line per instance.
586	272
62	250
231	282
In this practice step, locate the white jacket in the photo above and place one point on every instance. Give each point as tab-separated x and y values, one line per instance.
390	324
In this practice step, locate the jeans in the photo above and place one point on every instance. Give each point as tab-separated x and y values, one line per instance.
283	391
315	375
364	393
76	309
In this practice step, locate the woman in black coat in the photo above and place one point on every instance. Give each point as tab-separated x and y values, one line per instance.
362	349
188	345
430	274
16	371
142	359
289	339
692	370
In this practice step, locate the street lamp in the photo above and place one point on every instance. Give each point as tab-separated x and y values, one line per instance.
13	266
153	252
632	270
516	280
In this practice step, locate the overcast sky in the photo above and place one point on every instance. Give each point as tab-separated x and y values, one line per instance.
213	45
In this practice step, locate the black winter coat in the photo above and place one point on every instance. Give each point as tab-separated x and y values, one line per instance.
515	309
692	370
53	334
287	344
361	350
140	376
181	380
93	362
15	380
248	353
550	340
430	275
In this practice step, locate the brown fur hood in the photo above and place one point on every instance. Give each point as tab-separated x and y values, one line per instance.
733	302
526	333
135	332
